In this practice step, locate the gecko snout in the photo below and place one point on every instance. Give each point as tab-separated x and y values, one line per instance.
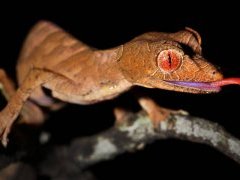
216	75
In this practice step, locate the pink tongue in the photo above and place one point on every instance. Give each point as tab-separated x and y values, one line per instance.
226	81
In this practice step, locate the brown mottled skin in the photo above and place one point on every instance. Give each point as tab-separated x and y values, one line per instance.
77	73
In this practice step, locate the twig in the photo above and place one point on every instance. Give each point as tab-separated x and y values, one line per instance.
134	134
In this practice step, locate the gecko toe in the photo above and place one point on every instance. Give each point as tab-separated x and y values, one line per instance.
120	115
156	113
4	141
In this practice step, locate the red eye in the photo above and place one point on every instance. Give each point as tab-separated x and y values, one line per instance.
169	60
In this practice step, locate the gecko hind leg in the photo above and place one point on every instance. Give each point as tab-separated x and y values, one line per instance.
7	86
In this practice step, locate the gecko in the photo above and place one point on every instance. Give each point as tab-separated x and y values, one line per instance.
76	73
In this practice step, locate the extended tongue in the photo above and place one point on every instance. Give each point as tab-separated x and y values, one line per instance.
226	81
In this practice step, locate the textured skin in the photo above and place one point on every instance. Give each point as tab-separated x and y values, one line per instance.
75	66
77	73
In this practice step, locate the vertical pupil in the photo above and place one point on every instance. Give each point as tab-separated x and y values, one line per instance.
169	59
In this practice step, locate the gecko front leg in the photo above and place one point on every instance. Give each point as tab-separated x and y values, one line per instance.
31	113
156	113
8	115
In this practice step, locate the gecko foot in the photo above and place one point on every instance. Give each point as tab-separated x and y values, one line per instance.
156	113
7	118
4	130
120	115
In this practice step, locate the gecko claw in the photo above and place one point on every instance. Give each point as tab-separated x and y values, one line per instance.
4	141
5	129
4	138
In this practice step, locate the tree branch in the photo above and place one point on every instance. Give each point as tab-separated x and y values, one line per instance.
133	134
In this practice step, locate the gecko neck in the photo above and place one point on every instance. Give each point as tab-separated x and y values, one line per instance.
105	76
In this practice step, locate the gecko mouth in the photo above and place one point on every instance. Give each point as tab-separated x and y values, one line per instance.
214	86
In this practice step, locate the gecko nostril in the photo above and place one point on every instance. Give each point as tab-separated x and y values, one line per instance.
215	75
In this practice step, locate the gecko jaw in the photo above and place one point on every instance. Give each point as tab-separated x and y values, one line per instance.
214	86
202	86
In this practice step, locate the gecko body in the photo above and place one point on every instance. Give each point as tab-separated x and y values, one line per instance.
77	73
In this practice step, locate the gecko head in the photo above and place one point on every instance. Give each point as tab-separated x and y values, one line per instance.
172	62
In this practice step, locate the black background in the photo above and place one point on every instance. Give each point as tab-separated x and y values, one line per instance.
104	25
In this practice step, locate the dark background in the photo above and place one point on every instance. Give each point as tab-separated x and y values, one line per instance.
110	24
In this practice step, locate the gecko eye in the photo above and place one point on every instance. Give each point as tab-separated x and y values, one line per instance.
169	60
